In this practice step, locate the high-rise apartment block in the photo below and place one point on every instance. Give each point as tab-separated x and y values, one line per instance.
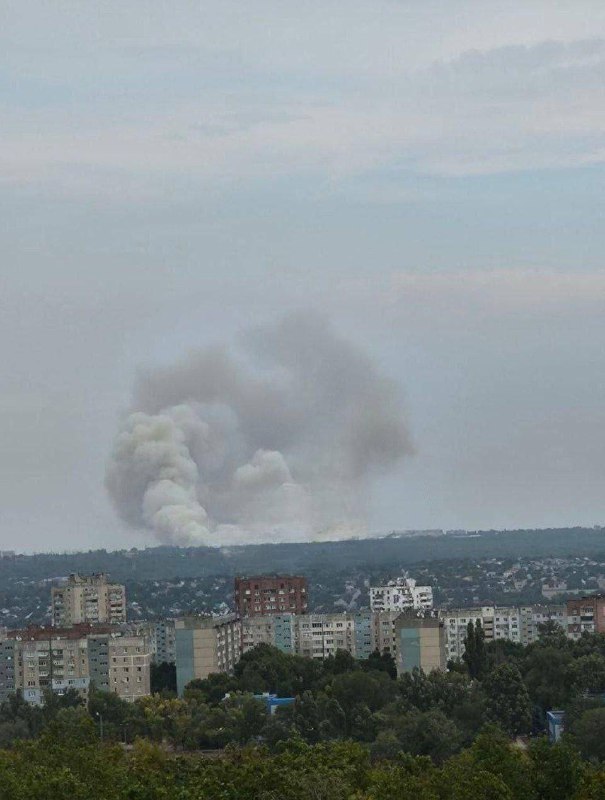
401	594
88	599
420	644
162	642
39	659
206	645
264	595
161	637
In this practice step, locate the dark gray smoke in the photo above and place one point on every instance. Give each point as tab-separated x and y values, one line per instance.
275	440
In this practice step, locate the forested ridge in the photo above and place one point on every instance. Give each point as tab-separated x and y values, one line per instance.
304	557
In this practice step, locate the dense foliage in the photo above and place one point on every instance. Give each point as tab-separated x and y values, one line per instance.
355	731
67	763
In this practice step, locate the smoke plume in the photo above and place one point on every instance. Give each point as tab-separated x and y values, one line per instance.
277	439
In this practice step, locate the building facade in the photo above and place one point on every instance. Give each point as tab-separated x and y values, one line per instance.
401	595
37	660
264	595
513	623
160	635
129	667
206	645
321	635
420	644
88	599
585	615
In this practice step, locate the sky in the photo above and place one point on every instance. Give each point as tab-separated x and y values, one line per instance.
427	175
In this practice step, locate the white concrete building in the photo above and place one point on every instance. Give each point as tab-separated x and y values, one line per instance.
401	595
513	623
321	635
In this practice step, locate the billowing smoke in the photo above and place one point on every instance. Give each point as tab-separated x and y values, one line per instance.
275	440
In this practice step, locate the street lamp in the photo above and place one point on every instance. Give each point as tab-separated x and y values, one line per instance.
100	718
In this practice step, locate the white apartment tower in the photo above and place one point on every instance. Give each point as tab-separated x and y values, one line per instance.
401	595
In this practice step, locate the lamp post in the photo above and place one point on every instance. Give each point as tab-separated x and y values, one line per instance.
100	718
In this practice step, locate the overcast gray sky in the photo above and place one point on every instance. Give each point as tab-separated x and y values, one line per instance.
428	174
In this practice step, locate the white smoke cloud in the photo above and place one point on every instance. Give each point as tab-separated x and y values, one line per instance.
277	440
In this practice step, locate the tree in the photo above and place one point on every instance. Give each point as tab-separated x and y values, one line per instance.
267	669
588	734
593	787
307	717
163	677
507	699
372	689
428	733
341	661
334	724
551	634
558	769
381	662
474	655
493	754
587	673
211	689
546	675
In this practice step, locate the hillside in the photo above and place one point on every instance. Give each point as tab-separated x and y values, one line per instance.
159	563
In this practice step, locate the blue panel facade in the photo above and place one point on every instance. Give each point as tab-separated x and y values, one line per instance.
98	662
184	658
282	632
409	649
363	634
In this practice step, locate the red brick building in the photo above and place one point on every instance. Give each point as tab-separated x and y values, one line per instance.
282	594
585	614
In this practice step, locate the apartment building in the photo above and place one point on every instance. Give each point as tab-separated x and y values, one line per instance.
420	644
383	631
162	642
401	595
516	624
265	595
534	616
261	630
206	645
161	638
585	615
88	599
40	659
321	635
129	670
